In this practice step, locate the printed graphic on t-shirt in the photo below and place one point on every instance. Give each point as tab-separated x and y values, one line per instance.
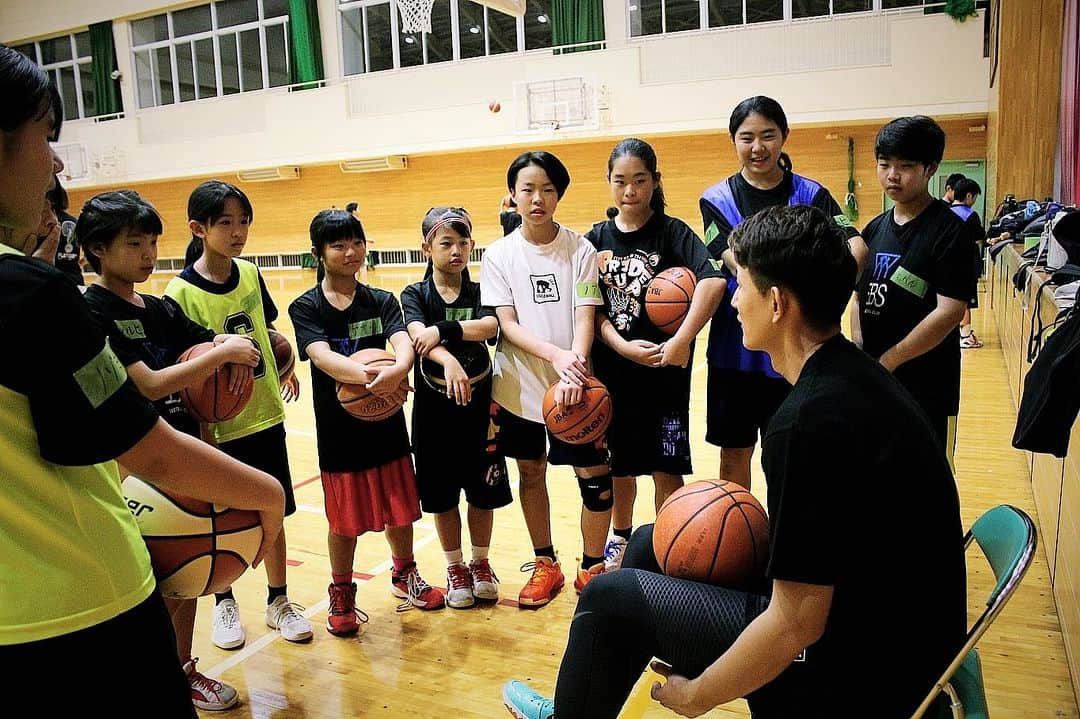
626	279
459	314
545	288
878	287
131	329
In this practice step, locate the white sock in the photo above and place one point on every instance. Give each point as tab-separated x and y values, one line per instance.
454	557
479	552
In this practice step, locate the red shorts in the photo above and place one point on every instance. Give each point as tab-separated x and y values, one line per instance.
372	499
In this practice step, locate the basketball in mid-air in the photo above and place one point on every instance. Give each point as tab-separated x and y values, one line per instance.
581	423
196	548
668	296
494	106
210	400
712	531
357	399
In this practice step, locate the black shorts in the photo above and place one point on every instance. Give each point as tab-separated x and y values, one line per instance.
520	438
643	441
449	461
265	450
740	405
153	680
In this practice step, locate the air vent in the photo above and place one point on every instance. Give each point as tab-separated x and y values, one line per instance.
375	164
270	174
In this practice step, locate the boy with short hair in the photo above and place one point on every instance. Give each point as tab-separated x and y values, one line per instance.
918	276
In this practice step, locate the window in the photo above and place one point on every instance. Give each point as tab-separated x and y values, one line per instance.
658	17
67	60
372	40
221	48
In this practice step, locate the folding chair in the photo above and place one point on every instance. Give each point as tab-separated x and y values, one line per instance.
1007	537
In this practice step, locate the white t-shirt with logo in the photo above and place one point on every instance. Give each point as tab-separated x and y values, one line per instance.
544	284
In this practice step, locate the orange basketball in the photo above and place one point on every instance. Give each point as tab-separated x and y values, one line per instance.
196	548
358	399
712	531
584	422
667	298
211	400
284	357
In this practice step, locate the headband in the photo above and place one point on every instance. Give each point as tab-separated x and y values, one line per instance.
450	217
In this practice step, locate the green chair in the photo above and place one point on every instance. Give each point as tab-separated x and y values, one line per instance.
1007	537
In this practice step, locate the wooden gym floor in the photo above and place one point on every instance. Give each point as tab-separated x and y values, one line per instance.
454	662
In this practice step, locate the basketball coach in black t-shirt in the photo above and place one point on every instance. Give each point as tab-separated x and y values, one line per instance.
866	602
919	276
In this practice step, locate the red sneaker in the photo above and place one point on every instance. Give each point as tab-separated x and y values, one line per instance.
546	580
342	617
410	586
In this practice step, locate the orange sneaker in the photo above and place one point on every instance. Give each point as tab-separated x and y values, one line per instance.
584	576
546	580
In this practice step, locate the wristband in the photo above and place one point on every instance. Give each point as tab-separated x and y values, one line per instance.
449	330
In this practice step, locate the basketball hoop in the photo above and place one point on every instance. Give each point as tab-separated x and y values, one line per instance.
415	15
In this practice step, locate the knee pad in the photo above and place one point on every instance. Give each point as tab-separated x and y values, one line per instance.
592	489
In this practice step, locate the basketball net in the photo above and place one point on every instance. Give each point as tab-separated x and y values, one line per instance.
415	15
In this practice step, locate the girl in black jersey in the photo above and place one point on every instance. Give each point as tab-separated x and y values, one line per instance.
119	233
646	371
744	389
366	468
452	430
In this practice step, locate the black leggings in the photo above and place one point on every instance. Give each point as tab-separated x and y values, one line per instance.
626	618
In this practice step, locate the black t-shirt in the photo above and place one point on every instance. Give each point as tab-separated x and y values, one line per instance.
67	252
348	444
269	308
155	335
85	410
510	221
627	262
421	302
908	266
861	498
433	411
752	200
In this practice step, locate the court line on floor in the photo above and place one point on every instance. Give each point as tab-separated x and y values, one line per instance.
252	648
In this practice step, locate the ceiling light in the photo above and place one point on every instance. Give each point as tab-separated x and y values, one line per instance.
410	39
633	8
541	18
475	29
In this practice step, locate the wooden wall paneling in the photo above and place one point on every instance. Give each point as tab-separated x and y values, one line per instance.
1067	579
1024	103
393	203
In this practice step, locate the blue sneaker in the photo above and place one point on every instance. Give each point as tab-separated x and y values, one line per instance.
524	703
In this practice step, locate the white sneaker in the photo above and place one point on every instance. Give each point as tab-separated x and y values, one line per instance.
485	583
281	614
228	632
613	553
459	589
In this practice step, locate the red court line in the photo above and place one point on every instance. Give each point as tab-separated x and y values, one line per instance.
508	603
306	482
293	562
363	576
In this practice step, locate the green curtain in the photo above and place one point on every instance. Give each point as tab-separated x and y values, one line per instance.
102	66
574	21
306	61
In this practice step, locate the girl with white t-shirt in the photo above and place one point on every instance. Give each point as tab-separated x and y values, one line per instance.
542	281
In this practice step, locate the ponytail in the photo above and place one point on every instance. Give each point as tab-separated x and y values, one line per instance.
429	270
658	203
784	162
194	251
